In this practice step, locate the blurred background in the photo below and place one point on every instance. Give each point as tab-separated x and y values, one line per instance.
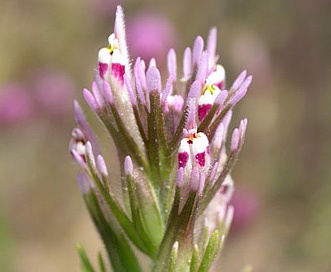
48	52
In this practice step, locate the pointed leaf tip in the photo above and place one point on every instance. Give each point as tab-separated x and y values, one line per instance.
102	167
197	49
128	166
153	78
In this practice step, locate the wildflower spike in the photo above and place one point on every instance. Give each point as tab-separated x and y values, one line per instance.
170	134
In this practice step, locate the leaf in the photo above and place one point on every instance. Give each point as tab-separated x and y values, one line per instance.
194	259
101	263
86	265
119	251
210	252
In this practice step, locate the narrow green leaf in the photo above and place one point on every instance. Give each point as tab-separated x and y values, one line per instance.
214	125
101	263
128	140
120	135
120	254
157	142
116	136
140	125
173	257
230	163
153	150
150	213
136	213
169	237
207	120
205	237
179	131
158	115
186	216
194	259
118	212
178	229
165	163
210	252
86	265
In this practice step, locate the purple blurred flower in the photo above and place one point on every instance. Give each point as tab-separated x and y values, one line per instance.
53	92
246	206
15	104
150	36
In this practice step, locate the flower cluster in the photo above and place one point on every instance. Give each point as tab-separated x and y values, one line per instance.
170	135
